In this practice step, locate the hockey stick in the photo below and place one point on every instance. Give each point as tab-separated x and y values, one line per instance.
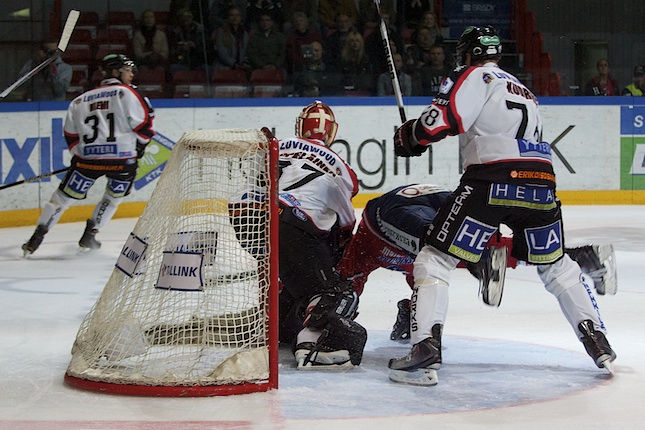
35	178
62	46
390	63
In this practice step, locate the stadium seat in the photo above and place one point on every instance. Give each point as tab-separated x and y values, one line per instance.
151	83
267	82
230	84
190	83
121	20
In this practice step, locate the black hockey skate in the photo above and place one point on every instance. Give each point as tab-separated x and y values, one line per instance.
35	240
491	272
597	346
420	366
401	328
88	240
599	262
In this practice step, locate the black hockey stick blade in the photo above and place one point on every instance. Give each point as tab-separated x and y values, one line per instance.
62	46
35	178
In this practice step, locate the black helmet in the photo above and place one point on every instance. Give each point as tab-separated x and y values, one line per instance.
480	42
116	61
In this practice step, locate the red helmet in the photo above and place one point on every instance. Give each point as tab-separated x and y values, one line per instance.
317	121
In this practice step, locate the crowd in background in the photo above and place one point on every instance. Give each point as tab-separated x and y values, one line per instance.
321	48
324	48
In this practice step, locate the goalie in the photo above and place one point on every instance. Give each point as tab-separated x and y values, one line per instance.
391	234
316	186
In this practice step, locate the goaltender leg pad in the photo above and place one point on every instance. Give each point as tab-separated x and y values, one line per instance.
340	342
329	306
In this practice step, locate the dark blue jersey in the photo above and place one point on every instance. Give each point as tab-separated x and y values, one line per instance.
402	216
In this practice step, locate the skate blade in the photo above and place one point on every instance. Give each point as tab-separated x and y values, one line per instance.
421	377
324	367
608	365
85	250
26	251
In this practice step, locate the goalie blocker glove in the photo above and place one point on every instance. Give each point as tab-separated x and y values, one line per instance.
405	143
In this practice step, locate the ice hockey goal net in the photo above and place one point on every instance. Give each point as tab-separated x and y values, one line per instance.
190	308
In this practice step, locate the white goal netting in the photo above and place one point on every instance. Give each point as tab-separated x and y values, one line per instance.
187	302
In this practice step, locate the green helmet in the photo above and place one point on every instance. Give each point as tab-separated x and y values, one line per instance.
116	61
480	42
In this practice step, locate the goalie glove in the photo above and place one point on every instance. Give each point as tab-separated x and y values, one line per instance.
405	143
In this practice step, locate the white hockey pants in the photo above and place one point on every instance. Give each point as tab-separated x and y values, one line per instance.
565	281
429	304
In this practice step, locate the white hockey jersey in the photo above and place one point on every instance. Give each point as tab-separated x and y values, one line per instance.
107	122
314	179
495	115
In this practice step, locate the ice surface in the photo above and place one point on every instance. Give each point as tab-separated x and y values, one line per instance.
514	367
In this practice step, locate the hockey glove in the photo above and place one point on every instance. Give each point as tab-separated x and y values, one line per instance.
141	149
405	143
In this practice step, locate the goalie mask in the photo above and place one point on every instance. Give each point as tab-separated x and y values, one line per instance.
317	121
481	43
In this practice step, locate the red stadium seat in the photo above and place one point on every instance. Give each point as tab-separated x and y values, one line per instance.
230	84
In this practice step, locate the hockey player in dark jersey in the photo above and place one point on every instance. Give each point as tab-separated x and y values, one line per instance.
391	232
508	178
106	129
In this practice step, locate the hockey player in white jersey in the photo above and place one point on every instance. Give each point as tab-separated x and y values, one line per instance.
316	187
508	179
106	129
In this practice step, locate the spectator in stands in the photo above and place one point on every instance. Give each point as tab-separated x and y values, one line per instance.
199	8
298	37
334	42
52	82
374	44
231	41
220	8
410	11
315	77
637	87
368	17
355	65
257	8
149	44
432	73
328	11
187	48
418	54
310	8
384	84
603	84
429	19
267	46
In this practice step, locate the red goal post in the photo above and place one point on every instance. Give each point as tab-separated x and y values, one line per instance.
191	307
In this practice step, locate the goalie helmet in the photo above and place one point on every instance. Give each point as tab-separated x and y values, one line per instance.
481	43
116	62
317	121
